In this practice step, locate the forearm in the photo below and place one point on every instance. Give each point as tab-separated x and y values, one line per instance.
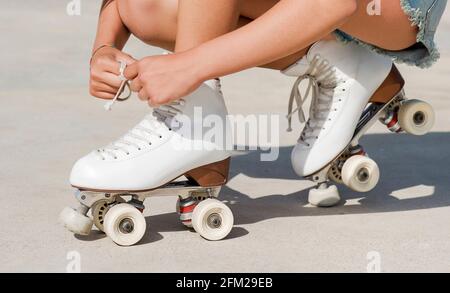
110	29
288	27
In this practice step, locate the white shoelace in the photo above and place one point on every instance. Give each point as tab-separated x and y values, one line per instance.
123	84
146	131
322	83
143	134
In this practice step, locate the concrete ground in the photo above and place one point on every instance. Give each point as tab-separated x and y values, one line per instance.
48	121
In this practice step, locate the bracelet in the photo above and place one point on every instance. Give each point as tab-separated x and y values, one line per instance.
98	49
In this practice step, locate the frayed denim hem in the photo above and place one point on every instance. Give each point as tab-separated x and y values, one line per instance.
418	18
421	57
425	62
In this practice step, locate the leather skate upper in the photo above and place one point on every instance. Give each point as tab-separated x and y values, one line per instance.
163	146
355	74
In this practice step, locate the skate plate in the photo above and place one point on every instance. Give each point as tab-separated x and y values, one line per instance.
369	117
352	166
123	222
183	189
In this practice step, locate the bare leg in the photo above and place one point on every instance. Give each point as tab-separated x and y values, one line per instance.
390	30
152	21
156	23
200	21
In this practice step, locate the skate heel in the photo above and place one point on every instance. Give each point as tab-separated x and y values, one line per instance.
215	174
392	86
415	117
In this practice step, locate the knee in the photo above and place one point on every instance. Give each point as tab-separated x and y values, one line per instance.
349	7
340	10
141	17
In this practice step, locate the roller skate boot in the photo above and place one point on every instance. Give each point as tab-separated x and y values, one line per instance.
350	88
167	153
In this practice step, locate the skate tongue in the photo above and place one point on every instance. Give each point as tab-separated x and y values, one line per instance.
298	68
214	84
147	128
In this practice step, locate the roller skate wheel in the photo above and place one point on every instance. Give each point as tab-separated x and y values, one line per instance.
99	210
124	224
334	174
416	117
324	197
360	173
75	222
185	209
212	219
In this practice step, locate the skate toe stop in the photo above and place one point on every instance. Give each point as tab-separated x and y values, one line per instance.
75	222
326	197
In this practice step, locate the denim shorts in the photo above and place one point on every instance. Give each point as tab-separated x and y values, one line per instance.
425	14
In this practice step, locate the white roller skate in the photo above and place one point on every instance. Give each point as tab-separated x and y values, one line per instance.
351	88
145	162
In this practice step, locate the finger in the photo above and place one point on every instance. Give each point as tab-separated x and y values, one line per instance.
131	71
108	78
151	103
103	87
143	95
107	65
135	85
155	102
126	58
103	95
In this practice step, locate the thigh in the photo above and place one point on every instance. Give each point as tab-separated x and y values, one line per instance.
253	9
155	21
152	21
389	29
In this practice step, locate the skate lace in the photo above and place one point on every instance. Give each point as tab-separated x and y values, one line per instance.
124	84
144	133
322	83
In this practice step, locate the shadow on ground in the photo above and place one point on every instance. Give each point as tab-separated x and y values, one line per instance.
405	161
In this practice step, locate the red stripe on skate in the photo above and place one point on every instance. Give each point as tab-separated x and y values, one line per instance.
187	209
392	122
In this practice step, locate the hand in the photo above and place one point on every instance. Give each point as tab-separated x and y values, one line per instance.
104	79
159	80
